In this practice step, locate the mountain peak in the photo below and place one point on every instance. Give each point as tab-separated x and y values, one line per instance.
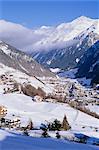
83	19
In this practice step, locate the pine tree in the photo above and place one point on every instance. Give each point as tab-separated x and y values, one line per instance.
45	134
56	125
25	132
58	135
65	124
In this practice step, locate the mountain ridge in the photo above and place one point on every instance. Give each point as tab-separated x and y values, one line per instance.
44	37
69	56
14	58
89	64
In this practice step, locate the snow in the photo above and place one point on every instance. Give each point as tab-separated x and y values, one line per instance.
93	108
25	108
5	49
77	60
84	81
70	73
55	70
12	140
49	62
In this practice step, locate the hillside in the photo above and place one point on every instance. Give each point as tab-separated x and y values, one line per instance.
24	108
12	57
89	64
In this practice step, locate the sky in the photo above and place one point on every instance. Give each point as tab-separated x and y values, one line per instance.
37	13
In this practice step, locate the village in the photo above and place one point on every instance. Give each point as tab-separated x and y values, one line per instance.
56	91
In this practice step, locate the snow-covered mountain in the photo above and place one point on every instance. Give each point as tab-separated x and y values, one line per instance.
89	64
74	39
56	37
11	57
44	37
59	46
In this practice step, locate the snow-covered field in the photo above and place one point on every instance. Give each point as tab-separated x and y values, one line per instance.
25	108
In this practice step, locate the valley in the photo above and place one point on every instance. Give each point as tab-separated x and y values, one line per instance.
59	97
49	96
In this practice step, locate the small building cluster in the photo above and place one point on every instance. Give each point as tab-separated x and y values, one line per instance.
6	122
3	111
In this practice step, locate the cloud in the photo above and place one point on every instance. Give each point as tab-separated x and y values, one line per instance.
43	38
18	35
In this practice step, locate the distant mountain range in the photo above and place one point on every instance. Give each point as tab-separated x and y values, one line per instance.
12	57
78	36
81	52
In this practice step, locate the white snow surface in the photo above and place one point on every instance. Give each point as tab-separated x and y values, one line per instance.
93	108
70	73
14	141
55	70
23	107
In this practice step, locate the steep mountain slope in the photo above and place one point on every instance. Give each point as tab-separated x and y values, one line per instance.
89	64
11	57
69	56
79	35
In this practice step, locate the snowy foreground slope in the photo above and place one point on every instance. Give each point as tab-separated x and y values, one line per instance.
13	141
25	108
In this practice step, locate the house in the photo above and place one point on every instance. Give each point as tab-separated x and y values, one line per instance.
3	111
